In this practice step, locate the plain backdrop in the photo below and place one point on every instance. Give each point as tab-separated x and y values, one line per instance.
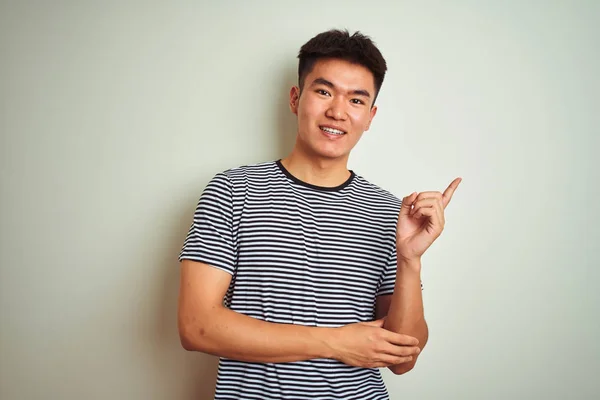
114	116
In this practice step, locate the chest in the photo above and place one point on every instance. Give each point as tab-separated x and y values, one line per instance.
328	239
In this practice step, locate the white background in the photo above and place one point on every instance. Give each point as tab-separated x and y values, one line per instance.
114	116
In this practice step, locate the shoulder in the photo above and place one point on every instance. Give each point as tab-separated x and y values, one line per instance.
239	179
376	193
380	206
250	170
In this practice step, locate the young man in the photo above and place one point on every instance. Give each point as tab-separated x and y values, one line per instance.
300	274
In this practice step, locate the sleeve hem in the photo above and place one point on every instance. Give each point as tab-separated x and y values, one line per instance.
210	263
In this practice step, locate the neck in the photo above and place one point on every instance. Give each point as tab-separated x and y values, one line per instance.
317	171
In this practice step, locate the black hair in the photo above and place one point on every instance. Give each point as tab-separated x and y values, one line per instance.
356	48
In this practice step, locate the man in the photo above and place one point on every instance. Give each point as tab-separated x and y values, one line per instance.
300	274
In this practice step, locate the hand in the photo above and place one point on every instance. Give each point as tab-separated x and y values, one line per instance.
421	221
369	345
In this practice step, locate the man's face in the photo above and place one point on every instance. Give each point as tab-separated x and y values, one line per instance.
334	108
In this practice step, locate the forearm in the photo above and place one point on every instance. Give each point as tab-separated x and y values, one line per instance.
405	314
226	333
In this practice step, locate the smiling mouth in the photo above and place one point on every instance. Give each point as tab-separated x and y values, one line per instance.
332	131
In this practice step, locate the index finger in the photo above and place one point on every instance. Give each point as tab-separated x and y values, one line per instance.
447	196
401	339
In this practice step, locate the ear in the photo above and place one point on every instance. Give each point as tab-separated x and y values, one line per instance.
294	99
373	112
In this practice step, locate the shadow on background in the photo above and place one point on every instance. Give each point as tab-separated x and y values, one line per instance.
284	128
198	371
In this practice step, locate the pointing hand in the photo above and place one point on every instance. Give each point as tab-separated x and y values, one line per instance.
421	221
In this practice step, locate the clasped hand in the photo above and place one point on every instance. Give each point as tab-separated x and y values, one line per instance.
369	345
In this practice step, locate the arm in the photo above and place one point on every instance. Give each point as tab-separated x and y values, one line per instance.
420	222
206	325
404	309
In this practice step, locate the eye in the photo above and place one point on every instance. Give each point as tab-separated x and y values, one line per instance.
357	101
323	92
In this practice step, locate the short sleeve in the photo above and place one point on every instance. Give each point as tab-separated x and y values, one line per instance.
388	277
210	239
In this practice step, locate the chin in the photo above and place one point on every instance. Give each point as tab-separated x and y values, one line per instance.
331	155
326	150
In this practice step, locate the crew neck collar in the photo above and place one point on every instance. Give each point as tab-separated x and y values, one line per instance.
315	187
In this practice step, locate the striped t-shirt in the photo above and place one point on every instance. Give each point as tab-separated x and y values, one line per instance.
298	254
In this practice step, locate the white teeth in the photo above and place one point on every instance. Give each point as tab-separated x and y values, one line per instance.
333	131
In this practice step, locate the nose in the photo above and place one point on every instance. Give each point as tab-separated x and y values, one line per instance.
336	109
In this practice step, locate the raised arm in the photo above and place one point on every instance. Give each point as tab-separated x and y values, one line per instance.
420	222
404	310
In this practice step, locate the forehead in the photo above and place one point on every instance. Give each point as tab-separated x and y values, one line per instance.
342	74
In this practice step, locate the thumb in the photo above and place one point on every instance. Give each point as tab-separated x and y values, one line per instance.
378	323
407	202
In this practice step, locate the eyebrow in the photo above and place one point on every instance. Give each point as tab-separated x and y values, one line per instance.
325	82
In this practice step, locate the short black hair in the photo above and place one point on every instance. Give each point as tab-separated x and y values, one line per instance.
356	48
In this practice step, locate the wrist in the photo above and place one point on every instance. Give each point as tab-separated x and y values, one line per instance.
411	264
326	338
